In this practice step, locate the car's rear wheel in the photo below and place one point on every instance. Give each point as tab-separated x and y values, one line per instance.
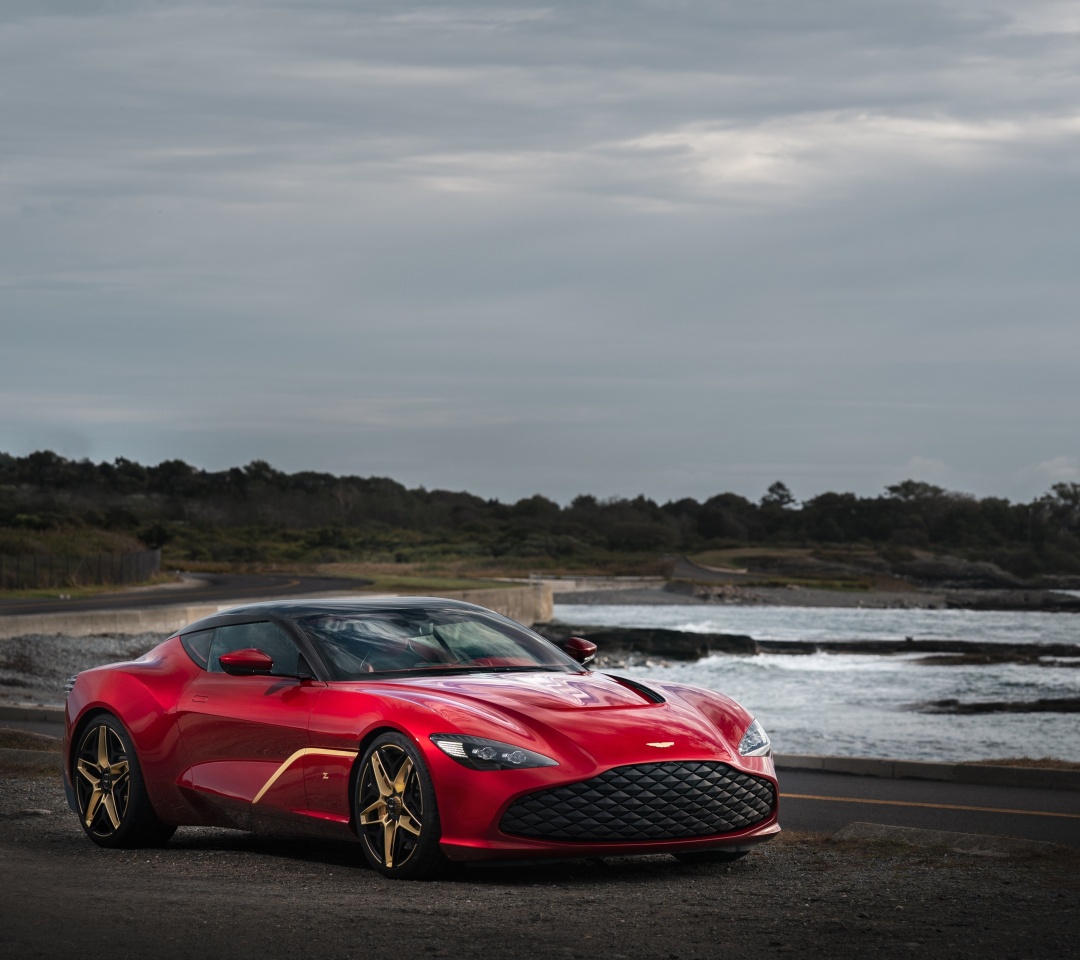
396	816
114	808
711	856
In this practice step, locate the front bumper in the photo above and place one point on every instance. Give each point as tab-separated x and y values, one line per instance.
667	807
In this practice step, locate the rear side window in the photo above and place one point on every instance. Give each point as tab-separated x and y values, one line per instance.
197	645
267	637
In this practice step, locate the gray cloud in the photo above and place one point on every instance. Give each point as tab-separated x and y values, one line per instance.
637	247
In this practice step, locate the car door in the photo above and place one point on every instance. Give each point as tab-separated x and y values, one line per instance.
244	735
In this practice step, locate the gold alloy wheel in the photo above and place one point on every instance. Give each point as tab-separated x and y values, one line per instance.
391	805
102	780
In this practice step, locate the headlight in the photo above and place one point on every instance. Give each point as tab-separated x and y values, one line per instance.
755	742
481	754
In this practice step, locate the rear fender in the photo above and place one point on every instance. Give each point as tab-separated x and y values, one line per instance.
142	695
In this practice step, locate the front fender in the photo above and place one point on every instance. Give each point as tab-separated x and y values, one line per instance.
729	717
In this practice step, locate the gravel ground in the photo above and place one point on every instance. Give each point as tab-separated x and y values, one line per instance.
33	667
221	893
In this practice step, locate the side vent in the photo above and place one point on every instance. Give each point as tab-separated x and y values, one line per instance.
647	692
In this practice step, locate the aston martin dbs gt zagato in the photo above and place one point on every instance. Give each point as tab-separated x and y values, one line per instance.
429	730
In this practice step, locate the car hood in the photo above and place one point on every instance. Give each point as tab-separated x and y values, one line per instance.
540	691
592	715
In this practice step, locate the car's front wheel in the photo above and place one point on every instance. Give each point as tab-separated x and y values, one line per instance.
114	808
396	816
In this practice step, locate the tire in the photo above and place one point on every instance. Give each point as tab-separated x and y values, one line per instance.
114	808
395	812
711	856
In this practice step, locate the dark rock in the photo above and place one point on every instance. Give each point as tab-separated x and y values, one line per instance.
955	572
1044	600
678	645
1046	705
674	644
989	652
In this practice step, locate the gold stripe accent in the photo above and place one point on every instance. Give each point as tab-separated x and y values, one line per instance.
296	756
932	806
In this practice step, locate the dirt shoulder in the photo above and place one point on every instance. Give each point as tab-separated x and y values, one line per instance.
223	893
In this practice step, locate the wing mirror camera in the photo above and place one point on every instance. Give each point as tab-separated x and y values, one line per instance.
581	650
246	663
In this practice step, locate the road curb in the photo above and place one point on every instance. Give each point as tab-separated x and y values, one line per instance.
986	775
31	711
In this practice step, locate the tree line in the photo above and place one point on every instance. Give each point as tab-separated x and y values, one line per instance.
343	516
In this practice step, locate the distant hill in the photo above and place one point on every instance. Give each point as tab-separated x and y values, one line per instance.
258	514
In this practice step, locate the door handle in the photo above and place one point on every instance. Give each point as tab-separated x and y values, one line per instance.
199	698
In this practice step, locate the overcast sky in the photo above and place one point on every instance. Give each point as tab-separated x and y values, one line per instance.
670	247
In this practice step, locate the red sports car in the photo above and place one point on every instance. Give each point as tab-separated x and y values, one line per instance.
431	730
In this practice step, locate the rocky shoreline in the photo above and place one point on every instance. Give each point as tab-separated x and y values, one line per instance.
621	647
1044	705
700	594
621	642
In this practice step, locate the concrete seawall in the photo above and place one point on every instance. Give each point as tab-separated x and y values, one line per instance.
526	604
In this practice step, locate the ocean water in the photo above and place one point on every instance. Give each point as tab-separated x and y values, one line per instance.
861	705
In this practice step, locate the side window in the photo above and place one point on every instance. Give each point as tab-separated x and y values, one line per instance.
267	637
197	646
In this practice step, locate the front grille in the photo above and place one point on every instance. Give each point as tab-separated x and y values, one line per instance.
650	801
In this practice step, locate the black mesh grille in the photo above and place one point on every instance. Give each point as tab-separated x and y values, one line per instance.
651	801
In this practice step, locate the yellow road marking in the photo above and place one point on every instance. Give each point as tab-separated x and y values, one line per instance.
932	806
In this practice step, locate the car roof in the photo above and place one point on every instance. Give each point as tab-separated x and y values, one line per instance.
307	607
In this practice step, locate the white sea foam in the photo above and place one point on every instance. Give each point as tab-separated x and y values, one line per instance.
860	705
836	623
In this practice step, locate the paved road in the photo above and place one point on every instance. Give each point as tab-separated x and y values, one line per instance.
213	587
688	570
825	802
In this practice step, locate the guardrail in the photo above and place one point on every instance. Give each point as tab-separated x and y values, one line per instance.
47	571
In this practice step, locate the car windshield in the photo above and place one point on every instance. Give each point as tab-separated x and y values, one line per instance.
356	646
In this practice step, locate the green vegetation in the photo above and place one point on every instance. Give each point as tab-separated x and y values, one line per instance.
259	516
29	538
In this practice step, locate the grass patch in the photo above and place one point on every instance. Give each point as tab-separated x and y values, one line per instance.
810	583
73	541
78	593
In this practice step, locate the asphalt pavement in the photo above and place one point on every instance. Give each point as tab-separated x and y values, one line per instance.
826	802
210	588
